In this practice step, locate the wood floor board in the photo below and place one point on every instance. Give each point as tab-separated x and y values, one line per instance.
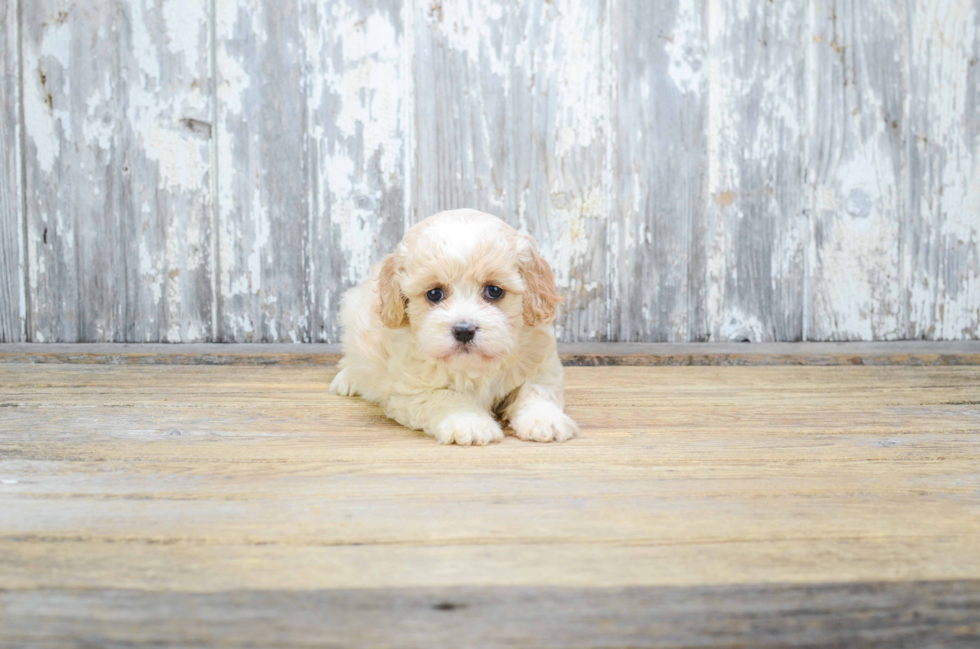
917	615
702	506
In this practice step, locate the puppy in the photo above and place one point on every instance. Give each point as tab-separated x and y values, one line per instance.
452	333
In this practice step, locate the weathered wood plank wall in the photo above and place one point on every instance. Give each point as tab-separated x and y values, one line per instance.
695	169
11	202
857	157
942	260
116	114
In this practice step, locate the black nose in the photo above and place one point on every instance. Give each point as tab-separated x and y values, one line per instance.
464	332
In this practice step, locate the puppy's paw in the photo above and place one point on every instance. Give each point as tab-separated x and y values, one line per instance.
543	422
341	385
465	428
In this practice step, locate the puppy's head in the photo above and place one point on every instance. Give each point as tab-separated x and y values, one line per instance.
467	284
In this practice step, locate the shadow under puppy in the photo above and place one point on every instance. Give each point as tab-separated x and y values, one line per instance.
453	332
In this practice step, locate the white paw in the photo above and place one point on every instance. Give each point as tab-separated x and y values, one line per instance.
465	428
543	422
341	385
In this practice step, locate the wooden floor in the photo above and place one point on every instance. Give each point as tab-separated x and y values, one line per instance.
702	507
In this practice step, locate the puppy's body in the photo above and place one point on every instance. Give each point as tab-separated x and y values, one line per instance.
446	366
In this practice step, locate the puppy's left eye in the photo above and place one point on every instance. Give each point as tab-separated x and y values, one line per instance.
435	295
493	293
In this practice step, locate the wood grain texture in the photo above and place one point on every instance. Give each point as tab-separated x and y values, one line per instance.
13	307
766	500
943	221
753	264
264	219
857	170
923	615
359	62
117	134
185	354
657	227
513	115
695	170
311	104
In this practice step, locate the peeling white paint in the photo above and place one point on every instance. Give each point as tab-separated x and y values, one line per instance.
182	158
234	82
47	123
534	135
685	48
755	158
40	125
738	326
855	256
858	263
583	90
467	27
146	54
98	129
944	277
185	22
150	272
369	125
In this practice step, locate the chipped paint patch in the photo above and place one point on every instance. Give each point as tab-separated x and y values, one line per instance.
685	48
182	159
855	257
725	198
360	115
185	22
741	327
47	123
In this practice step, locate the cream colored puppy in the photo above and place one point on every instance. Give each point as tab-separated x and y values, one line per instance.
452	332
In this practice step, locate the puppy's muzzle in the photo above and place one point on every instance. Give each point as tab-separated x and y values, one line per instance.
464	332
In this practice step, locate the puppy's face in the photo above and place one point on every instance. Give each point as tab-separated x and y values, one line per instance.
464	305
467	284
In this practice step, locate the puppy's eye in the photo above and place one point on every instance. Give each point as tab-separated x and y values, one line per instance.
435	295
493	293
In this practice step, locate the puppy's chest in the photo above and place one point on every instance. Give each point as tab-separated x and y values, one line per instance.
488	390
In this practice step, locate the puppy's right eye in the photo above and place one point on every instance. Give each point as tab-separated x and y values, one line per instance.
435	295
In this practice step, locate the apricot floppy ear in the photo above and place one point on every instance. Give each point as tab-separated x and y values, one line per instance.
541	299
391	305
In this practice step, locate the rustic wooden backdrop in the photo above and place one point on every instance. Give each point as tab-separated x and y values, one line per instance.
191	170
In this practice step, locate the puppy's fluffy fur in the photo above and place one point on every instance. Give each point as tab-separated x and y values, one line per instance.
401	348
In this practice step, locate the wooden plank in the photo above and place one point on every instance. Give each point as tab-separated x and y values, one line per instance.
856	170
359	64
815	354
513	118
943	257
824	468
701	507
661	166
117	135
162	354
13	307
264	224
572	354
656	266
753	282
875	614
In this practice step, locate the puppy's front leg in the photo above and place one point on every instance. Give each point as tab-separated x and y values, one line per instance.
536	414
449	417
